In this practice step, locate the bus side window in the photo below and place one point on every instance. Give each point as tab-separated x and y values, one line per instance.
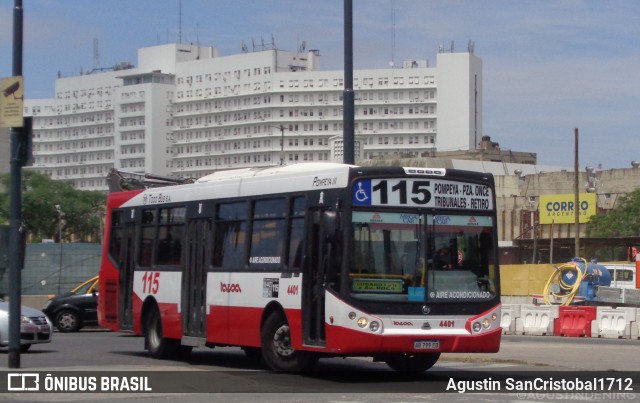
170	235
230	236
146	246
147	237
115	236
296	234
169	247
268	234
296	244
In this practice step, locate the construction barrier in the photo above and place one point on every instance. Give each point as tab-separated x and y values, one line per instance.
574	321
510	312
614	323
536	320
570	321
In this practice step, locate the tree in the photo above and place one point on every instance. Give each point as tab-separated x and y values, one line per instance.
623	221
82	210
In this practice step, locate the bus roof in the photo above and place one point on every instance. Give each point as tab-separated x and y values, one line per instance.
250	182
280	169
277	179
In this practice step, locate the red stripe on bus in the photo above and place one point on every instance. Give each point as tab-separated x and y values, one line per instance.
347	341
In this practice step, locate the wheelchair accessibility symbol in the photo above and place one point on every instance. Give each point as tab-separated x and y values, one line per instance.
362	193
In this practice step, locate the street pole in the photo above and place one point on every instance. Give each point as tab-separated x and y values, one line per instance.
15	208
348	135
281	145
576	188
535	241
551	244
60	214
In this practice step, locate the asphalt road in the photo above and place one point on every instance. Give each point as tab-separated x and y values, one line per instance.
92	348
230	376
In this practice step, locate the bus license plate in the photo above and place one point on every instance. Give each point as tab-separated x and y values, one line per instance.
426	344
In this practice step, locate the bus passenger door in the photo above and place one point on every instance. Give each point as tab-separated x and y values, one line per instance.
127	265
194	279
313	281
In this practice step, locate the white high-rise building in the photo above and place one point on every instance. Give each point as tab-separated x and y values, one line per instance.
185	111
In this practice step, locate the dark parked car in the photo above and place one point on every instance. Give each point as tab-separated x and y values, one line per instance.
71	311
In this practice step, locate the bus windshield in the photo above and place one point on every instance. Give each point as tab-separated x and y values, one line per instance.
422	257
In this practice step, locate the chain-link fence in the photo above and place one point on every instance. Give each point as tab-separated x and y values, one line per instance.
54	268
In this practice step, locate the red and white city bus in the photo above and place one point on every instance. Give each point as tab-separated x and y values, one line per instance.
293	263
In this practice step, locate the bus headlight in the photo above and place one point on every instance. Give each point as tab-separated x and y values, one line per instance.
485	323
374	326
352	315
362	322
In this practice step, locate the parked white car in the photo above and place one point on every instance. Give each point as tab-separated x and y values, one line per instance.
35	327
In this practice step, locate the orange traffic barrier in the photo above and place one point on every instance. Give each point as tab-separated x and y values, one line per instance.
574	321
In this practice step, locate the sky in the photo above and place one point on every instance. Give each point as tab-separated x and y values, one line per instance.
550	66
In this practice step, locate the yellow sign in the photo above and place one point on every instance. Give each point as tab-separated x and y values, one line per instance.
559	209
11	97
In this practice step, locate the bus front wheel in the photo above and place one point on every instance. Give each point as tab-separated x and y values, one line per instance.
412	362
157	345
277	351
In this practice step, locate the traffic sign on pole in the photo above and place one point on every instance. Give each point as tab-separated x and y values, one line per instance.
11	102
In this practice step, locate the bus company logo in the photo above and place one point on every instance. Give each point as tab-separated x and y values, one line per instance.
399	323
376	218
230	288
155	198
472	221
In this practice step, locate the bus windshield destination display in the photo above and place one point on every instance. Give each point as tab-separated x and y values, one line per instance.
433	193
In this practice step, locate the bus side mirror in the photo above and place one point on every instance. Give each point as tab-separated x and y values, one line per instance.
329	224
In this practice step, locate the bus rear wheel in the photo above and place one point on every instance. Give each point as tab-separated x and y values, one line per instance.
277	351
412	362
158	346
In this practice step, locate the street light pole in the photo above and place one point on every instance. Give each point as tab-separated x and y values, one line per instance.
348	135
576	205
60	214
281	145
282	129
16	242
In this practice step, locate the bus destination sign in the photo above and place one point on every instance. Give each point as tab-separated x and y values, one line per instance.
428	193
